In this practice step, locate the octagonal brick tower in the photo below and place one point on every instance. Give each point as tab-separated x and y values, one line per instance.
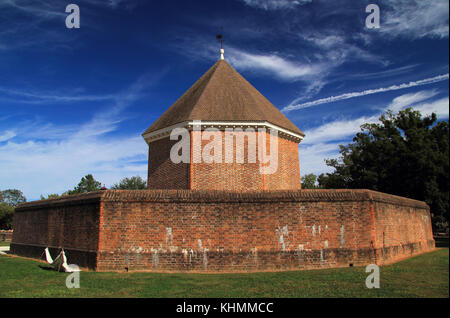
222	99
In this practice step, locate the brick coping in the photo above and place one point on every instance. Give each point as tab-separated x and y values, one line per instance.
217	196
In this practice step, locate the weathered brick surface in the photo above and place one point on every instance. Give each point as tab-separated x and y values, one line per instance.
69	223
235	176
162	172
226	231
400	231
287	177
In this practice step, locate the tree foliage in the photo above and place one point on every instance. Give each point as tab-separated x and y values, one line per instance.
9	199
6	216
12	197
133	183
405	154
87	184
309	181
53	196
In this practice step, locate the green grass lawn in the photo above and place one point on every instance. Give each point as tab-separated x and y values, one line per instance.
422	276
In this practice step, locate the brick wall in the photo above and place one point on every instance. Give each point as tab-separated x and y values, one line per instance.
71	223
400	230
164	174
226	176
212	231
287	176
225	231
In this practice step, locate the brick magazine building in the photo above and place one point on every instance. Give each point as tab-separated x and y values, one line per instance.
222	215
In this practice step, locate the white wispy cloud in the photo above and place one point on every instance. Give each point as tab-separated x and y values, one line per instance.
272	63
345	96
327	51
105	122
285	68
52	159
312	157
384	73
405	100
43	167
342	129
115	3
275	4
337	48
6	135
49	9
415	18
26	23
322	142
336	130
440	107
42	9
313	72
32	97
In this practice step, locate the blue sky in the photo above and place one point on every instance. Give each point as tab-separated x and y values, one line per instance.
75	101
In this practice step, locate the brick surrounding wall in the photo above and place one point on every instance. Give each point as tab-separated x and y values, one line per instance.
164	174
400	231
71	223
182	230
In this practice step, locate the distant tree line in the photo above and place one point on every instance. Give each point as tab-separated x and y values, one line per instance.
11	198
405	154
89	184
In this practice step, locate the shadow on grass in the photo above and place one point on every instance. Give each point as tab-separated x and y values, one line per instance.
46	268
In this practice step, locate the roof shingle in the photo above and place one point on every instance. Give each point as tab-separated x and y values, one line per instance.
222	94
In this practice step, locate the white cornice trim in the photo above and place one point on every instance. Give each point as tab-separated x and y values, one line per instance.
165	132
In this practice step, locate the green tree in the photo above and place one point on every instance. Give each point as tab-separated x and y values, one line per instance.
9	199
87	184
309	181
6	216
52	196
13	197
340	178
405	154
133	183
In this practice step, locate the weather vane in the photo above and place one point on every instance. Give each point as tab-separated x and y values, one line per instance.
219	37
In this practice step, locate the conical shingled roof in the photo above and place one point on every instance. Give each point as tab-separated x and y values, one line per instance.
222	94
